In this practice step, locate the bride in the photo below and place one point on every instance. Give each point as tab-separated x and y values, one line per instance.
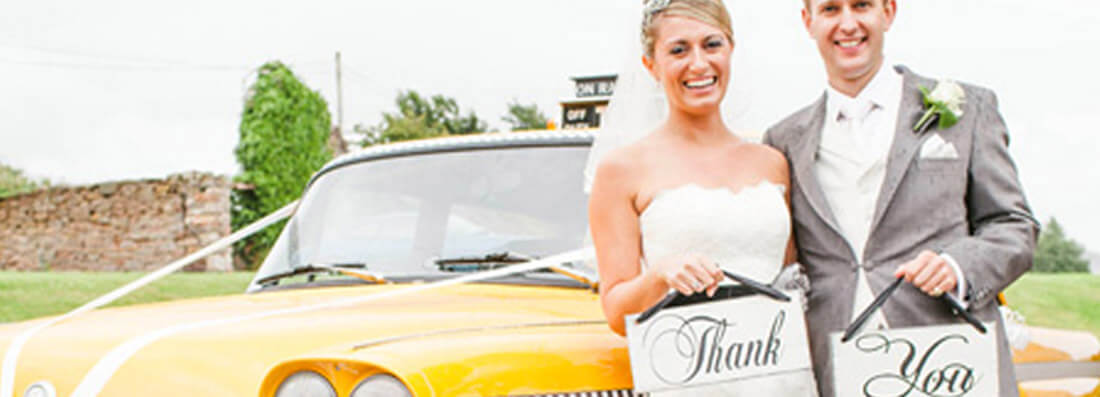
671	208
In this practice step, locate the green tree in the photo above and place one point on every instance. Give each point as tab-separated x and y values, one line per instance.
1056	253
13	182
525	117
283	135
419	117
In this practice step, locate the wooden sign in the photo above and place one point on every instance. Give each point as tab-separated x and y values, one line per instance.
943	361
718	342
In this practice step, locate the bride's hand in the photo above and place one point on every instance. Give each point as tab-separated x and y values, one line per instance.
689	274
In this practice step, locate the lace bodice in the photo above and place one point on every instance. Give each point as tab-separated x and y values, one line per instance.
745	232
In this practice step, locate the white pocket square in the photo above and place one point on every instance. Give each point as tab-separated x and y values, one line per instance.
937	148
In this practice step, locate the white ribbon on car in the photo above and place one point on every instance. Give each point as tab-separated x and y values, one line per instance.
97	378
94	381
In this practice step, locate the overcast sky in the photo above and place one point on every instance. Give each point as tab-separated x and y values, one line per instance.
122	89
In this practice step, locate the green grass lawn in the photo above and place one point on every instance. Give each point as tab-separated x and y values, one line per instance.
1065	301
26	295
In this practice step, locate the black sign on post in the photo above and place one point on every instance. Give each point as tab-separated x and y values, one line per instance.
592	95
580	114
592	88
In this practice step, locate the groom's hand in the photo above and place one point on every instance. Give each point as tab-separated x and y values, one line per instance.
929	272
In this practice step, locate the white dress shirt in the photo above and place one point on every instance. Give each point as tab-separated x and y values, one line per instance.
851	166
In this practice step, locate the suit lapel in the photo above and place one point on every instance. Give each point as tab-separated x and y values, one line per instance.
906	143
803	156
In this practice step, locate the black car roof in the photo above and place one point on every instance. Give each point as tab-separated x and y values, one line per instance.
459	143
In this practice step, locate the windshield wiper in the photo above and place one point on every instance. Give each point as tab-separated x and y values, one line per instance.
506	258
479	263
344	268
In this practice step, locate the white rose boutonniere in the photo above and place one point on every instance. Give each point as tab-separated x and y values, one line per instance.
943	104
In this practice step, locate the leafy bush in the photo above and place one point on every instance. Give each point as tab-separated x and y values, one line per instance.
284	129
13	182
418	117
525	117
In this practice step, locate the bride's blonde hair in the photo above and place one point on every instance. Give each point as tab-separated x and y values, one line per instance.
710	12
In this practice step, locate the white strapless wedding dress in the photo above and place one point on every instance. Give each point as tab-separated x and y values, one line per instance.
745	232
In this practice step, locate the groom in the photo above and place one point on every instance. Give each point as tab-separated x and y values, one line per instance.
874	200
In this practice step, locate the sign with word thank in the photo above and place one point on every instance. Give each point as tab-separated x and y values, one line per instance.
719	342
942	361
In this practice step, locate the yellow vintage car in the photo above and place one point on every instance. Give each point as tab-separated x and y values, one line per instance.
353	299
431	268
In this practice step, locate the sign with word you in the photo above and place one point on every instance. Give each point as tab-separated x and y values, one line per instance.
718	342
941	361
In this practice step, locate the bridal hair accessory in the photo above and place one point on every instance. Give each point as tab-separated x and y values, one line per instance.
943	104
652	7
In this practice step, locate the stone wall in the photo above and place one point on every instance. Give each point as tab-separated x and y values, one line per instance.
119	226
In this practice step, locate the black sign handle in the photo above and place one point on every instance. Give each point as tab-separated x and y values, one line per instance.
866	314
671	296
751	284
948	299
961	311
758	286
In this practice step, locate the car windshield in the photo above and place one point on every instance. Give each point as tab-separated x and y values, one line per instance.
397	216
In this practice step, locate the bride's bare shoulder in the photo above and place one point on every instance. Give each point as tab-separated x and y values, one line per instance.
767	161
628	160
764	153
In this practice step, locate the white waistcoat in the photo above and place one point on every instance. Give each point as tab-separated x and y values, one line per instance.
851	163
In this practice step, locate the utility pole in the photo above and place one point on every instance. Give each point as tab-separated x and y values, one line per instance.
339	98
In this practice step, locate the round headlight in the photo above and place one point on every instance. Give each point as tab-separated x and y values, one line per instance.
381	385
40	389
305	384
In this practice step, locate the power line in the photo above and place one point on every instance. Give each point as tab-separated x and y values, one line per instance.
123	67
116	61
99	61
85	54
359	79
354	71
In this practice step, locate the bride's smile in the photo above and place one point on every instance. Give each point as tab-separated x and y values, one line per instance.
703	82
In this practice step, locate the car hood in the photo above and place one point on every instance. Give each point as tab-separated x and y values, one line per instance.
226	345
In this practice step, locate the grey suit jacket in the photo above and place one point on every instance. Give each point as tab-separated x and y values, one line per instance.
971	207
